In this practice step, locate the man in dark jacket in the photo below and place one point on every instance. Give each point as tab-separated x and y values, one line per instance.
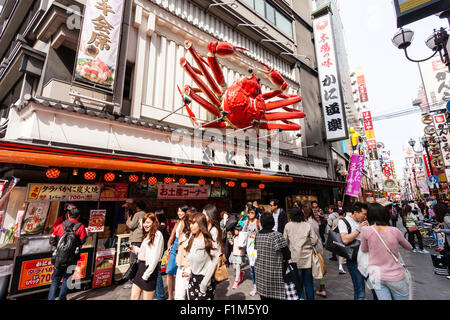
279	215
65	272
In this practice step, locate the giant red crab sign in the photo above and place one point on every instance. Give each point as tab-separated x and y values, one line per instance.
241	105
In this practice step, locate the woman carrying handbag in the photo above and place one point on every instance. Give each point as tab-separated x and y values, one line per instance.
411	225
387	275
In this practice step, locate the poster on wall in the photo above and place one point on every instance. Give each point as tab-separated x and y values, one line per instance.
35	217
97	221
330	87
114	191
104	268
99	43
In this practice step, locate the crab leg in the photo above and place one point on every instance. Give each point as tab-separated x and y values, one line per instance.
188	68
282	103
274	77
188	109
273	126
284	115
222	49
203	102
199	60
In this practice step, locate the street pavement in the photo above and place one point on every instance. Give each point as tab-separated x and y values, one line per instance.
426	284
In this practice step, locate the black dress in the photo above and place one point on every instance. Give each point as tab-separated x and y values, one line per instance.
150	284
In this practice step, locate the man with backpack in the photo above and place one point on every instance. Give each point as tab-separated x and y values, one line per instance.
68	238
350	229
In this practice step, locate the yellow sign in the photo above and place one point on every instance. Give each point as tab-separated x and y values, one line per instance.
370	134
406	5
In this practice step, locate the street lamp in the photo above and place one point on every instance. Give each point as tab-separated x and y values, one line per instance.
436	42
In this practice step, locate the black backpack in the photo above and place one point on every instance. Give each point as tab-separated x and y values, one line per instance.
67	252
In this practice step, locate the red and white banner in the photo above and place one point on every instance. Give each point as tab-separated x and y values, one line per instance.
427	165
362	88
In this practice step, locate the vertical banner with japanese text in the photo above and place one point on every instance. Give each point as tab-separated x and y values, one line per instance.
436	81
355	175
332	103
99	43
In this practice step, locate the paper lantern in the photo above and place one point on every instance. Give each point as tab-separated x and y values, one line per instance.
231	184
152	181
90	175
168	180
133	178
109	176
262	186
182	181
217	184
201	182
52	173
244	185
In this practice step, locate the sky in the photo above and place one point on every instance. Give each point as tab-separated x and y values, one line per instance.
392	81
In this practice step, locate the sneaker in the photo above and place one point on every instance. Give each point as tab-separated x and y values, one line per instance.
416	250
128	285
241	277
423	251
448	277
235	285
342	271
253	292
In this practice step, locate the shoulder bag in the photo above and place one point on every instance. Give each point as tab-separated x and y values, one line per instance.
221	272
334	244
407	274
317	265
132	270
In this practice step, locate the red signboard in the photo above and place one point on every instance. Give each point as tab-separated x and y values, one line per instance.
371	144
114	191
104	268
427	165
174	191
97	221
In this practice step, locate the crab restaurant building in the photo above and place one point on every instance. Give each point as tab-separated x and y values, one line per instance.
92	93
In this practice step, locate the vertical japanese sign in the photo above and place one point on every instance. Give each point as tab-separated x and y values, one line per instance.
333	111
97	221
387	170
442	131
368	127
427	165
355	175
99	43
362	89
436	81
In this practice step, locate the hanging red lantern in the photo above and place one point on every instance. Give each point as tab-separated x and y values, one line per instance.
244	185
182	181
262	186
109	176
168	180
231	184
90	175
217	184
201	182
152	181
53	173
133	178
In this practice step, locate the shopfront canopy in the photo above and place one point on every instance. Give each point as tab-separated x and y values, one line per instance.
53	157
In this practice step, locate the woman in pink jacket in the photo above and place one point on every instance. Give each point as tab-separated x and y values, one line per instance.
385	273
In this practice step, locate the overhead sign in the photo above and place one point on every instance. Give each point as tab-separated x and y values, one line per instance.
99	43
332	103
412	10
175	191
63	192
436	80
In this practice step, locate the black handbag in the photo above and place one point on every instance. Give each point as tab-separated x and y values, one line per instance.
334	244
290	275
132	270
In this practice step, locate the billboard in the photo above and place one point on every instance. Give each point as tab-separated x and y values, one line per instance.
330	87
412	10
436	81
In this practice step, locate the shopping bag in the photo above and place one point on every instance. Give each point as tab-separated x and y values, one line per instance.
363	263
293	284
317	272
165	260
251	252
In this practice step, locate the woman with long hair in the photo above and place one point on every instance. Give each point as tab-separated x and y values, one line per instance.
171	270
252	226
148	255
213	219
411	223
301	239
203	256
181	283
385	273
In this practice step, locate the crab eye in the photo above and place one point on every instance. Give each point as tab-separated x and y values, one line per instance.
250	70
259	79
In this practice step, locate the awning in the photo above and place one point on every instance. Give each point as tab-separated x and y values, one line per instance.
52	157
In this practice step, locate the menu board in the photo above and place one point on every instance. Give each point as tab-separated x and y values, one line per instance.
63	192
35	217
104	268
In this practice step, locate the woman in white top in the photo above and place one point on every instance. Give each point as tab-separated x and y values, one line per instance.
213	219
148	254
203	257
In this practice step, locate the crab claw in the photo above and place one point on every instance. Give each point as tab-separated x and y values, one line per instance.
274	77
222	49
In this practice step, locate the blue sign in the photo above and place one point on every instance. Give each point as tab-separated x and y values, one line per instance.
433	179
448	106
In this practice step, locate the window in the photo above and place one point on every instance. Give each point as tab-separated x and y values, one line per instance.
267	10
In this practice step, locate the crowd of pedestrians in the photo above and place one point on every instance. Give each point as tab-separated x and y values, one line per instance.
269	241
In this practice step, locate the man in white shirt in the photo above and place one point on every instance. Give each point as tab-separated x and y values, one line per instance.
356	221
